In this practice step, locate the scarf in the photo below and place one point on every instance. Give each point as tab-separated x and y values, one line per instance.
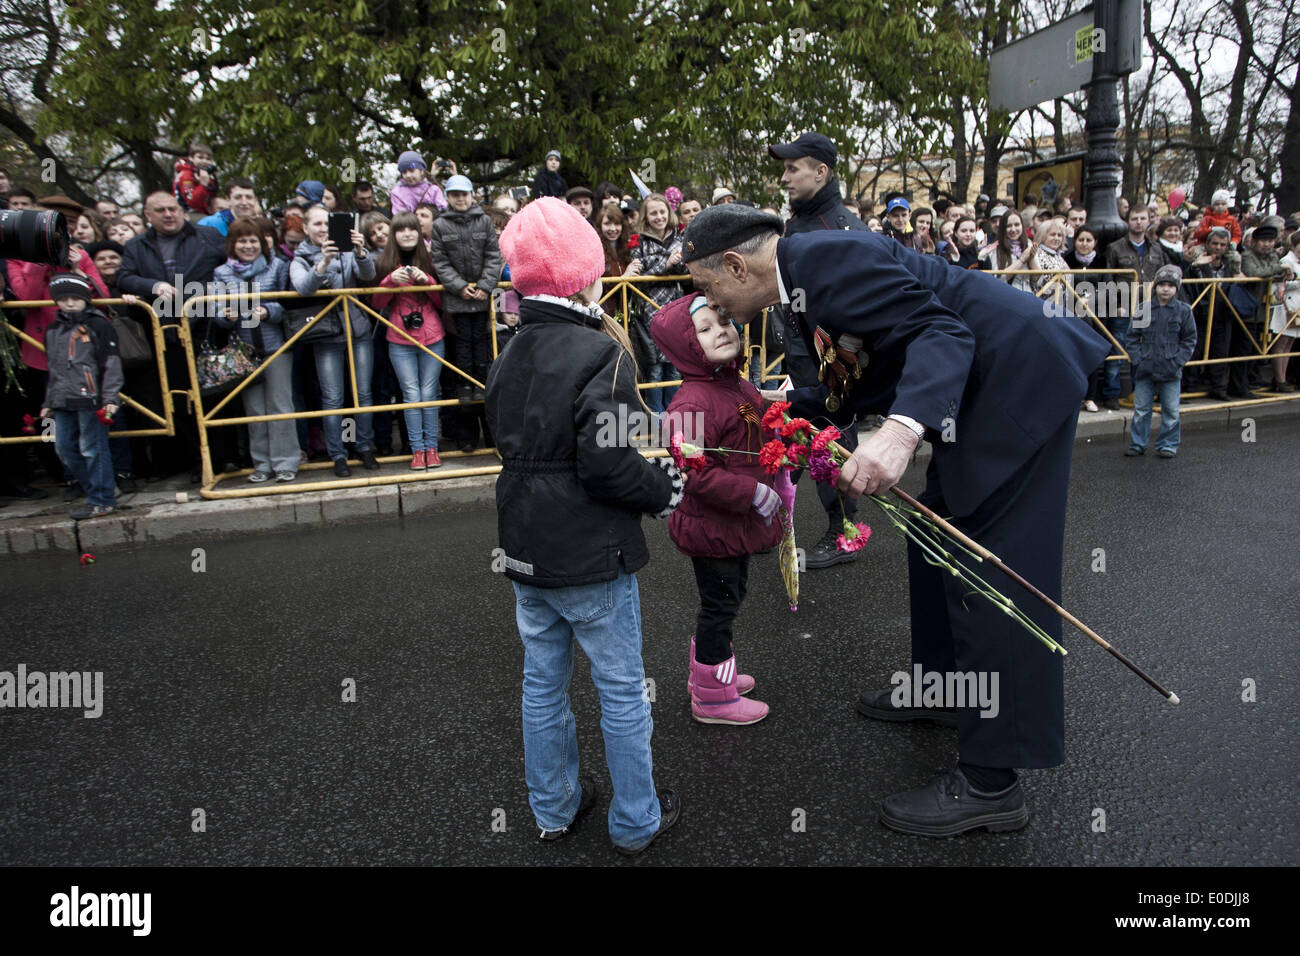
248	270
1085	260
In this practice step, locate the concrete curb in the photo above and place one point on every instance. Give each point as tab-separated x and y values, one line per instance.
164	520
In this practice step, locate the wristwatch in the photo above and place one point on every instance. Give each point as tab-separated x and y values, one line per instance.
911	423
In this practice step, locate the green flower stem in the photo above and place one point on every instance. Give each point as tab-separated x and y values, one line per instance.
934	554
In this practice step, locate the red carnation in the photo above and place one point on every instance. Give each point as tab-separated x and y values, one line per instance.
774	417
675	449
772	456
795	425
634	241
824	437
697	463
797	454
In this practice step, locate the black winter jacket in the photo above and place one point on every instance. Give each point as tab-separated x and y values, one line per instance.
825	210
200	251
571	493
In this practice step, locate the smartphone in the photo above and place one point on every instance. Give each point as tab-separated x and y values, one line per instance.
341	225
519	193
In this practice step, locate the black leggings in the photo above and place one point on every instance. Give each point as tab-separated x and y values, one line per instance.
722	583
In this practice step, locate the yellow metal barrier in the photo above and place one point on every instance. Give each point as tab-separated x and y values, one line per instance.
165	421
1059	287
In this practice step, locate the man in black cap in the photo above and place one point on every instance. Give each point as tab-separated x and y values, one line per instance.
968	362
815	203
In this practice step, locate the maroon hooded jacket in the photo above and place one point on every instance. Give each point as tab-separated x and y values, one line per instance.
716	518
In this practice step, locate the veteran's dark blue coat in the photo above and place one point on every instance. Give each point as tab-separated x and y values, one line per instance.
951	348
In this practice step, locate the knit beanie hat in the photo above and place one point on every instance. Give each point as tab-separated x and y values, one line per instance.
1221	195
410	160
551	249
1169	273
70	285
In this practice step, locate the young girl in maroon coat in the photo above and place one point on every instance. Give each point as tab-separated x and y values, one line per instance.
726	514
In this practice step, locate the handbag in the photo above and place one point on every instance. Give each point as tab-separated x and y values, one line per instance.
132	344
220	370
328	326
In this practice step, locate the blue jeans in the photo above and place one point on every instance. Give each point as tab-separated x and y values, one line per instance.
1144	390
1118	326
417	374
605	619
82	443
332	371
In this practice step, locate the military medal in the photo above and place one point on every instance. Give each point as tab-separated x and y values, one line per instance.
840	365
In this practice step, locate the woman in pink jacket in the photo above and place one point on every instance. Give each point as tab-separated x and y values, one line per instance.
406	261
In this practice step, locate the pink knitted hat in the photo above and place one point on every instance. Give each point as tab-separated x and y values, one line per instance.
551	249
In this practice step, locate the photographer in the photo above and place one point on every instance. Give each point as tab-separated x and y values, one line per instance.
319	264
406	261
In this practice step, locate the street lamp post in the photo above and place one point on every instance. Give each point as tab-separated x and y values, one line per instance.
1101	165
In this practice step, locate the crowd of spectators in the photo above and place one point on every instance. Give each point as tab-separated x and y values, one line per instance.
436	227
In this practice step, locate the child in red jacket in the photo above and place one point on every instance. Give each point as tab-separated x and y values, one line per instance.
195	182
1218	215
726	514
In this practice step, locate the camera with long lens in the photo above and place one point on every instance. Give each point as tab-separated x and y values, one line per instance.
33	235
412	321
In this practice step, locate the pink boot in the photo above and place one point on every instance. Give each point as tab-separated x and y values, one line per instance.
715	699
744	683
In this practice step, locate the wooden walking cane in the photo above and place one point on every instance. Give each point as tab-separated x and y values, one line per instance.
994	560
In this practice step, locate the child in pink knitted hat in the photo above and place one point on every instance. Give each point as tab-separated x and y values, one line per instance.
569	507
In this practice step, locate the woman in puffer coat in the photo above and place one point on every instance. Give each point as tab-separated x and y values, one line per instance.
252	268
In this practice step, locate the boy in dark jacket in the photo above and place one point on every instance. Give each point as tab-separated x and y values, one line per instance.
1158	349
468	263
85	377
727	511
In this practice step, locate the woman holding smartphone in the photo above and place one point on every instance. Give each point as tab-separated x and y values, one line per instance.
318	264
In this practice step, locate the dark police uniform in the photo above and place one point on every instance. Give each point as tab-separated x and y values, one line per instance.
980	364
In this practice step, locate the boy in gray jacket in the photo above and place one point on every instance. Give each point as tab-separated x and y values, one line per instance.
1158	349
85	378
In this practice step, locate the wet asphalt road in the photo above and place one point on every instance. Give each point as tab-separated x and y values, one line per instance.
223	692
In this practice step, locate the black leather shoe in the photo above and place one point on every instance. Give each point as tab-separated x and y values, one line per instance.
368	460
879	704
824	554
670	808
1219	395
1111	404
590	793
341	468
949	806
126	483
1133	451
72	491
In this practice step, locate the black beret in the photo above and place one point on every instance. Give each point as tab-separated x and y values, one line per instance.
724	227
